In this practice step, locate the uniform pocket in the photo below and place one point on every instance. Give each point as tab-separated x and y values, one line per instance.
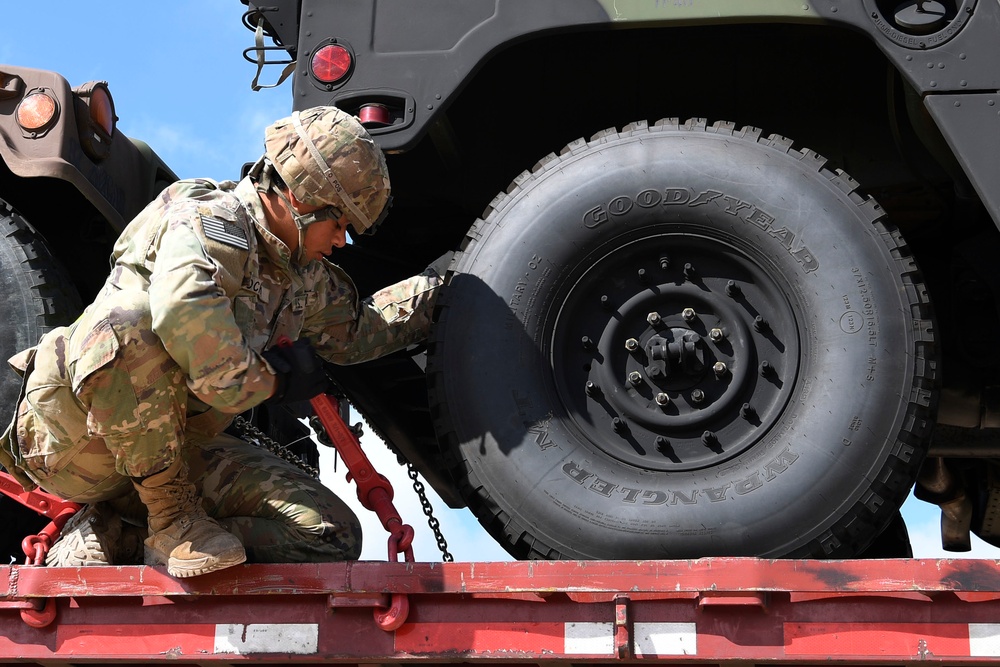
95	351
50	424
244	312
103	384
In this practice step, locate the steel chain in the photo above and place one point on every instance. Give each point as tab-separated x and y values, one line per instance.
428	509
251	433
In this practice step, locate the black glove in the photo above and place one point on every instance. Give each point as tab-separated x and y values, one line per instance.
441	264
301	374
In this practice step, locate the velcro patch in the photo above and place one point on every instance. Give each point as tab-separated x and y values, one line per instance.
226	232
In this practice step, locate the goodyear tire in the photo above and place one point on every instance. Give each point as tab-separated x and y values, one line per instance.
681	341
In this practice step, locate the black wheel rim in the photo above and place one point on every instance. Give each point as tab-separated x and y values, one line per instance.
675	352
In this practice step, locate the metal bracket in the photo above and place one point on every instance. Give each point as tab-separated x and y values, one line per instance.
624	647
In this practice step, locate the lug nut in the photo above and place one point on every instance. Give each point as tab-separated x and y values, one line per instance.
664	262
732	289
716	335
605	301
631	345
689	271
618	424
642	275
747	411
635	377
697	396
688	314
662	444
760	324
720	369
587	343
766	368
709	438
653	318
662	399
591	388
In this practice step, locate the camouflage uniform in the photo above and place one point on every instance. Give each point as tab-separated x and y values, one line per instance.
169	353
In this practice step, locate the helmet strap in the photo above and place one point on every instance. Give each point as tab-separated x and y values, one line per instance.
303	220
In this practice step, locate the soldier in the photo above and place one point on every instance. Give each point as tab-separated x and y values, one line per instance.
132	398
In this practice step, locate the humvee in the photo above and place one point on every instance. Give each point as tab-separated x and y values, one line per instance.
725	277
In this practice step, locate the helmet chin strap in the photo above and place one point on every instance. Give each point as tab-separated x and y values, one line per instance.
301	220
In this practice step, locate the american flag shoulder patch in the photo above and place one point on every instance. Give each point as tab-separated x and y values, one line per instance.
225	231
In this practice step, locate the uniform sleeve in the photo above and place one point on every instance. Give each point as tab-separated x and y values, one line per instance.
193	317
345	331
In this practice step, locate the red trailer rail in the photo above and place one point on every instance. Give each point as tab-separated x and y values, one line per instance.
710	611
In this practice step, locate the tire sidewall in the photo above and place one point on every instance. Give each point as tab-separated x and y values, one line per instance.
823	465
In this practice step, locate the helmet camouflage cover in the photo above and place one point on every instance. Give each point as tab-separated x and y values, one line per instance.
326	158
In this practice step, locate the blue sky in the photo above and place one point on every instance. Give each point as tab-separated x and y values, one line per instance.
180	83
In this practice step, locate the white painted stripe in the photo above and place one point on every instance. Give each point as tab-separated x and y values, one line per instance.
984	639
589	639
241	639
657	639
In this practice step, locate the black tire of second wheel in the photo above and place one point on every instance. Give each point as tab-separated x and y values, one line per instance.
36	295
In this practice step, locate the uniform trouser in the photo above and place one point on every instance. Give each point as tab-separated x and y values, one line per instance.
281	514
105	403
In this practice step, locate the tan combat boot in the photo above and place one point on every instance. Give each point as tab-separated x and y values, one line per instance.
97	535
181	534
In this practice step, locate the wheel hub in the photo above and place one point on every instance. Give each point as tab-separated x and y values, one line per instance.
677	351
680	368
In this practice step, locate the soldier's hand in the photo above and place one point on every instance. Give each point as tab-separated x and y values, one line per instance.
300	372
441	264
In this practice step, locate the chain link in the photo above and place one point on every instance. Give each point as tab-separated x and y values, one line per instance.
251	433
428	509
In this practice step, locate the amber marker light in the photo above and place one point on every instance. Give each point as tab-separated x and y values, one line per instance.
102	110
36	111
95	118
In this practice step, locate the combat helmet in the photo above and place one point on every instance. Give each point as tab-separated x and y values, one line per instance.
326	158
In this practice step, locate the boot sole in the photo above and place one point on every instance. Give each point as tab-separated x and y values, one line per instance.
79	544
195	567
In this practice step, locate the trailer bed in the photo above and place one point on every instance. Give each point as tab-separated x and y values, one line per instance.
708	611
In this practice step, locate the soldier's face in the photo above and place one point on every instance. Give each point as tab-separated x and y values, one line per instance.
323	236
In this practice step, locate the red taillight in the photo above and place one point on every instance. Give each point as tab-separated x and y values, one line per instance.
331	63
36	111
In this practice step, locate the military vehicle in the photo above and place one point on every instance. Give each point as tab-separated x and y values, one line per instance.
725	276
69	183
